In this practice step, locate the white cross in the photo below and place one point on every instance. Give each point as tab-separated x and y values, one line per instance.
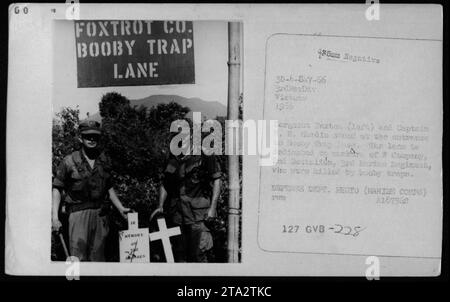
164	234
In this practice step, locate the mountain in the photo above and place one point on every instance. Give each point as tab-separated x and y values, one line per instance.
209	110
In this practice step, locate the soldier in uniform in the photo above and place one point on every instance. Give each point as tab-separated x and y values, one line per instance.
85	178
191	186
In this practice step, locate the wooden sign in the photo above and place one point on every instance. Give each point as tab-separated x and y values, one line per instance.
133	243
134	52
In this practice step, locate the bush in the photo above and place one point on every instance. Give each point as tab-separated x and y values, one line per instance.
137	141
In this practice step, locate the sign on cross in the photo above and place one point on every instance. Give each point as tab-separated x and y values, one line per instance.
133	243
164	234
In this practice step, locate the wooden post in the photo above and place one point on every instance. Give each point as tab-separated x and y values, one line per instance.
234	67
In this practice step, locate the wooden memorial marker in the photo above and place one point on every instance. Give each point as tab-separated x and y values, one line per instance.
164	234
133	243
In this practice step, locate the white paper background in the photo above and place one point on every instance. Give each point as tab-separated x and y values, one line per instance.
29	129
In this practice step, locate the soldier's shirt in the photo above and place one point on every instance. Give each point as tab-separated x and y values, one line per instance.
197	173
85	187
189	183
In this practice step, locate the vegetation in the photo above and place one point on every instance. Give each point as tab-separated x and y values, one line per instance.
137	141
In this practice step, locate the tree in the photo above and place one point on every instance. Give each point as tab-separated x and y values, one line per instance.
113	105
137	139
64	134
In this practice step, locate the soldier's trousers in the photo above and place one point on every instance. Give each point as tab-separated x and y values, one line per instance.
87	235
193	244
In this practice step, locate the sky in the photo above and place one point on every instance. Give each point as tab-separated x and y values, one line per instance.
211	70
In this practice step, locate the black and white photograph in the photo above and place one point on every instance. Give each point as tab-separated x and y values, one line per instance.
120	191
